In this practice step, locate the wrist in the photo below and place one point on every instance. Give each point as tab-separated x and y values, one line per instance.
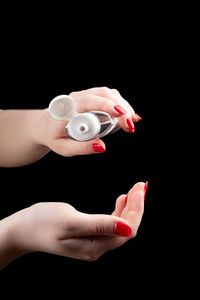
10	247
36	130
37	126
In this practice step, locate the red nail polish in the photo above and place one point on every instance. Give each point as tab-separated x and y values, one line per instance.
98	148
123	229
139	118
120	110
145	189
130	125
125	201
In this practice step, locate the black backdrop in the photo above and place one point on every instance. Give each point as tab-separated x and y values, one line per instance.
43	63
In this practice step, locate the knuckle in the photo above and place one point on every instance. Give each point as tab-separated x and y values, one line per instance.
100	229
105	91
139	207
104	103
115	91
72	94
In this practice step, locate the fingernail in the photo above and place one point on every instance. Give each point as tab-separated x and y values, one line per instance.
125	201
123	229
139	118
98	148
130	125
145	189
120	109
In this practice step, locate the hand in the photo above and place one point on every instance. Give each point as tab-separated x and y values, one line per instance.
60	229
52	132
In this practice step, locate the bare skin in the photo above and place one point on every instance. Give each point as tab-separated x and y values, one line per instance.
28	135
60	229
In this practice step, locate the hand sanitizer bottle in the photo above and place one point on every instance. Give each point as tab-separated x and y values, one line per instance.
82	126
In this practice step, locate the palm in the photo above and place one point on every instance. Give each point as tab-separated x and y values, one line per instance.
130	210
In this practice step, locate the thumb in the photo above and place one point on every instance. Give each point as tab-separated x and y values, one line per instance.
69	147
102	225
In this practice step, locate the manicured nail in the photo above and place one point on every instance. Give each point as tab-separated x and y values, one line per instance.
120	109
145	189
123	229
130	125
125	201
139	118
98	148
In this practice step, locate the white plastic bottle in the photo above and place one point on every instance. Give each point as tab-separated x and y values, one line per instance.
82	126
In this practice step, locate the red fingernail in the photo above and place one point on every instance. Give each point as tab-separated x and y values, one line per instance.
120	110
139	118
125	201
98	148
130	125
145	189
122	229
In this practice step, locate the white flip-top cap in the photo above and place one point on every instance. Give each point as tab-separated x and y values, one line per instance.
63	107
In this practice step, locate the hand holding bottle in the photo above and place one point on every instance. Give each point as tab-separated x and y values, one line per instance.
94	99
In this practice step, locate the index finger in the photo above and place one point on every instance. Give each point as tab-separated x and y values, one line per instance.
116	97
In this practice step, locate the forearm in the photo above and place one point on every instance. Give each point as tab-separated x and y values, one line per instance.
20	137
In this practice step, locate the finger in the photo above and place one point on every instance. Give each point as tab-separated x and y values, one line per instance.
110	101
136	201
69	147
92	102
99	225
115	96
135	117
119	206
89	102
123	199
127	124
111	94
106	92
139	186
135	209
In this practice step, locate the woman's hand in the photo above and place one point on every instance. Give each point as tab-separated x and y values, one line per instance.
60	229
28	135
51	133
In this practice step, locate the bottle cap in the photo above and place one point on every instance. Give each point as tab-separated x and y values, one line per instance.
63	107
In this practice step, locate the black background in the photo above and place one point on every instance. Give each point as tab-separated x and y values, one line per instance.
44	55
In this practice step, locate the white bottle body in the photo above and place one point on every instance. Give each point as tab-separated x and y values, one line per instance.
91	125
82	126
